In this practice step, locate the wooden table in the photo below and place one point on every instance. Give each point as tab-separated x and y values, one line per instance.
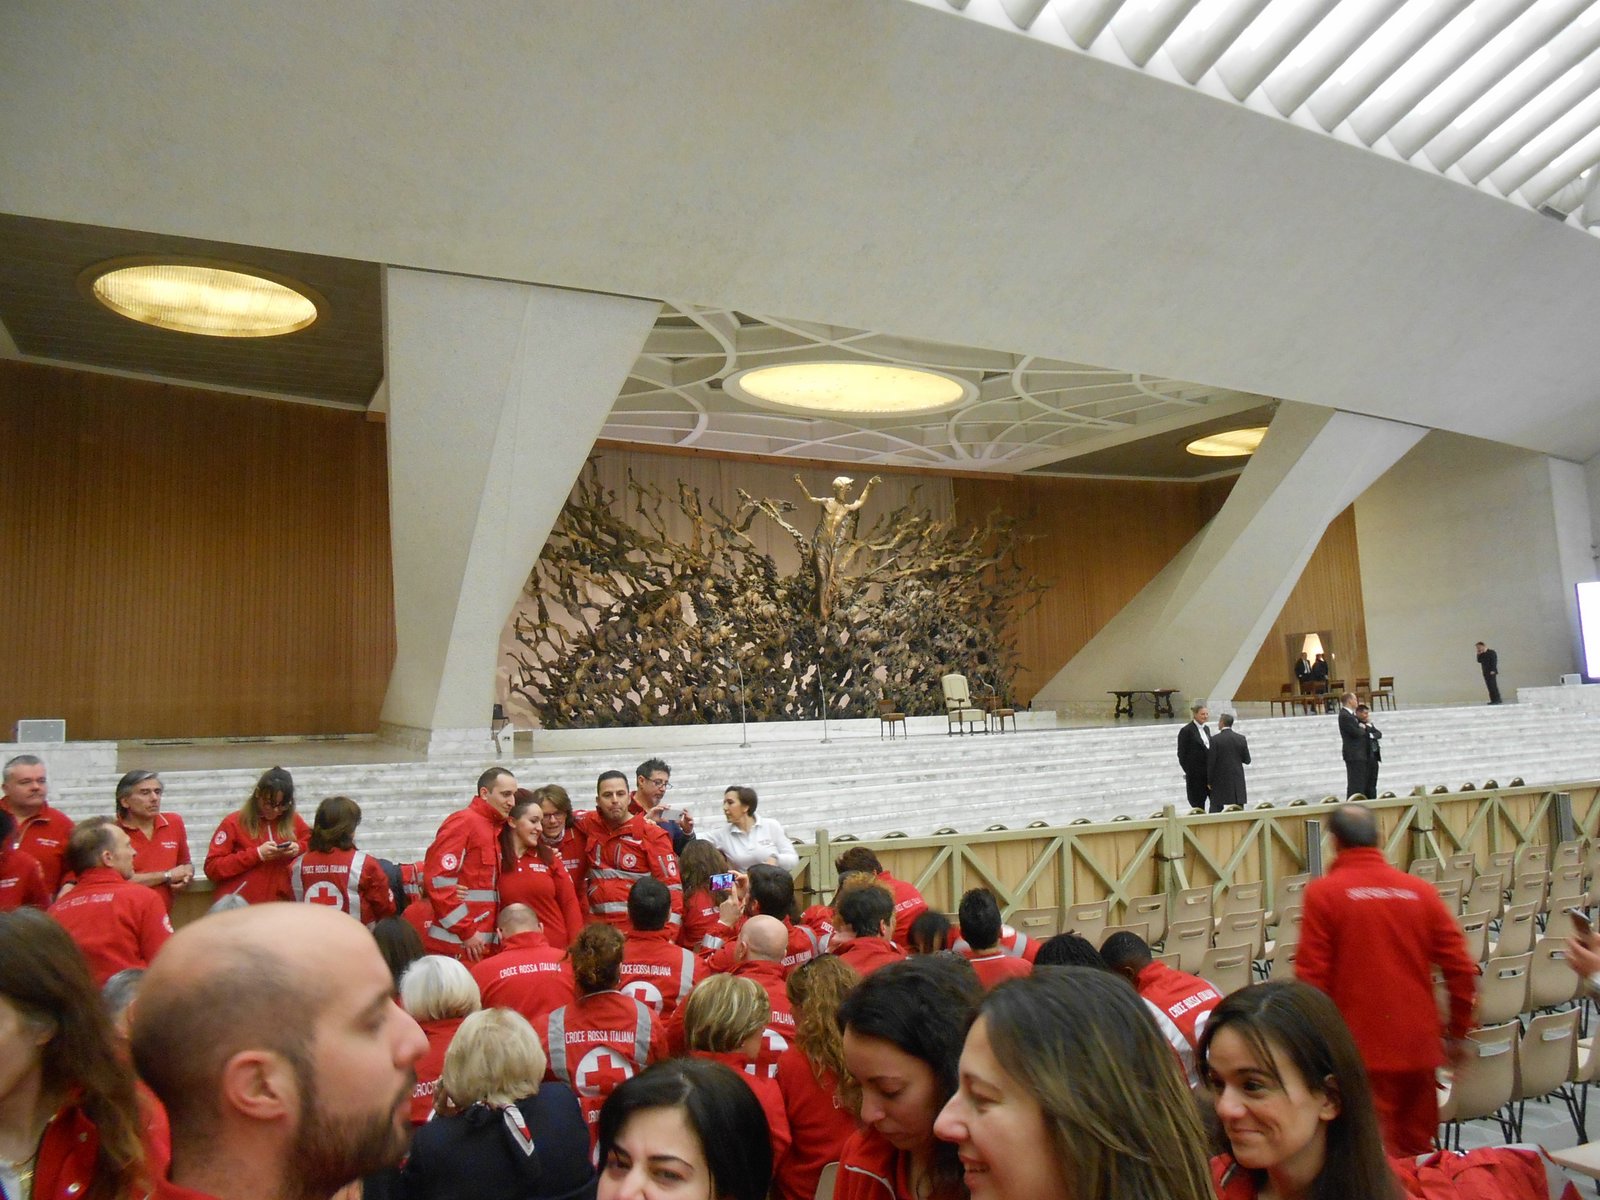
1160	700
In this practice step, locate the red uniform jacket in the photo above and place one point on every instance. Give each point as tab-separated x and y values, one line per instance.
165	848
70	1145
548	891
779	1032
44	836
615	859
659	973
234	863
117	924
804	945
908	904
597	1042
767	1093
865	955
997	967
871	1169
349	880
1017	945
1370	938
1488	1173
529	976
1181	1005
431	1065
701	922
570	848
21	881
819	1125
460	874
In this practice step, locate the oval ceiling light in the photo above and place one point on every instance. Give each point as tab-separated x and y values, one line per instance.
205	298
850	389
1231	443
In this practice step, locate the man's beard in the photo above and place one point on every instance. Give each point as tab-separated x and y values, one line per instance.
333	1149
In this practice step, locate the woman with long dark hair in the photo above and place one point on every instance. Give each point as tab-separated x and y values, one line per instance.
698	861
251	851
532	873
333	872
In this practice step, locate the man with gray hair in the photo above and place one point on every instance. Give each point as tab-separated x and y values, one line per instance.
41	831
117	923
1194	744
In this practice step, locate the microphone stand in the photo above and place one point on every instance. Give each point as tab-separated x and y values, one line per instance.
821	691
745	725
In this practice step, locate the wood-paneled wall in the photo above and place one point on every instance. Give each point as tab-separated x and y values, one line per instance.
189	563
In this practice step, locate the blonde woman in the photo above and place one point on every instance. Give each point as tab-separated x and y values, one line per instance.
723	1022
440	994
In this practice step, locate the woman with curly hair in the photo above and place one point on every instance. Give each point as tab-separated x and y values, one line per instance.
811	1073
70	1121
532	872
251	851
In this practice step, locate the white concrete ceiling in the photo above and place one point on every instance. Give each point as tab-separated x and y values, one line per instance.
876	164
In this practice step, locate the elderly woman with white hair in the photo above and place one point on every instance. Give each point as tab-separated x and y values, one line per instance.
439	993
499	1133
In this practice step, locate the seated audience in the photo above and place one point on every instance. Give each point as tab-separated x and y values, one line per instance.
439	993
21	877
1067	1090
686	1127
399	943
500	1134
160	841
251	851
532	873
603	1036
1181	1003
70	1121
809	1075
333	872
1296	1110
864	925
1069	950
930	933
529	975
656	970
116	923
768	891
41	832
748	839
903	1028
698	861
908	902
980	932
723	1022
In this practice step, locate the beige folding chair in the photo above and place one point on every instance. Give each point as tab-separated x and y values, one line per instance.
1517	932
1566	888
1450	893
1242	897
1487	892
1503	990
1088	921
1190	904
1150	911
1528	888
1546	1062
1170	958
1139	930
1290	892
1279	955
1475	928
1455	868
825	1182
1483	1086
1504	861
1568	854
1244	929
1189	940
1551	982
1226	968
1037	923
1425	868
1533	858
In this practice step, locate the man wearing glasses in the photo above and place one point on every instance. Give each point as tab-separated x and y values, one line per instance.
651	781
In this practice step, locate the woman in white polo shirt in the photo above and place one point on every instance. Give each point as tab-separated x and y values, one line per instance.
749	839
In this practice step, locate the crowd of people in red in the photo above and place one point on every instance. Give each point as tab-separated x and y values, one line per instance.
556	1003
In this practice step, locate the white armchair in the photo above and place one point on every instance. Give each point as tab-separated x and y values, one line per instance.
959	711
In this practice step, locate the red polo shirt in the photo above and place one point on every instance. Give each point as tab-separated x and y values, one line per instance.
44	835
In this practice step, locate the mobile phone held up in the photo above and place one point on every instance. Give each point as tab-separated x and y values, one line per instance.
722	881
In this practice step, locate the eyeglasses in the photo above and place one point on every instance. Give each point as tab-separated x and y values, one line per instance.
663	784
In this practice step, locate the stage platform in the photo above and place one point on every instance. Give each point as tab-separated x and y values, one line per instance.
860	784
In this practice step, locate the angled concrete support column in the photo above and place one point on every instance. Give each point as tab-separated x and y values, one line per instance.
1198	624
496	394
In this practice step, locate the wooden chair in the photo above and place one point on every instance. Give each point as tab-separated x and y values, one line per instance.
998	710
888	718
1285	698
1383	694
960	713
1363	689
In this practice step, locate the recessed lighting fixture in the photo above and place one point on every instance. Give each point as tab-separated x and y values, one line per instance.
1230	443
850	389
212	299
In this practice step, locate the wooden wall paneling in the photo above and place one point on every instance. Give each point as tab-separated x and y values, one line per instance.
190	563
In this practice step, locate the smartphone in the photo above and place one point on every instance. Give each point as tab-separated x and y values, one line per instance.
1581	920
722	882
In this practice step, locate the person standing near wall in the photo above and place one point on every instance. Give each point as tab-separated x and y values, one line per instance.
1490	662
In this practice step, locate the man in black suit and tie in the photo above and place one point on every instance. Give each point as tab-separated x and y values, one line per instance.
1369	786
1490	662
1353	743
1225	764
1194	740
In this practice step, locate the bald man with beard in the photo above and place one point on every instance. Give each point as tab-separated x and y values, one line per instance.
272	1037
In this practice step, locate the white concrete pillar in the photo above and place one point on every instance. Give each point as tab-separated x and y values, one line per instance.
1198	625
497	392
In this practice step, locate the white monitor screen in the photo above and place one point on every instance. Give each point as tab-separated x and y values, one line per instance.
1589	625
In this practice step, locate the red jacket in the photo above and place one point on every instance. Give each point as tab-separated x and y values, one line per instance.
44	835
21	881
767	1093
657	972
998	966
1012	943
866	954
165	848
430	1066
116	923
775	1038
70	1146
804	945
597	1042
871	1169
615	859
701	923
1488	1173
1370	937
460	877
570	848
819	1125
529	975
547	889
234	861
908	904
349	880
1180	1004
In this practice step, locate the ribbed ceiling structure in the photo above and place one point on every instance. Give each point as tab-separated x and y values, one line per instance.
1502	95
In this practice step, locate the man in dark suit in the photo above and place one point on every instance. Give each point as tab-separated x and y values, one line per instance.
1193	741
1353	744
1369	785
1225	765
1490	662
